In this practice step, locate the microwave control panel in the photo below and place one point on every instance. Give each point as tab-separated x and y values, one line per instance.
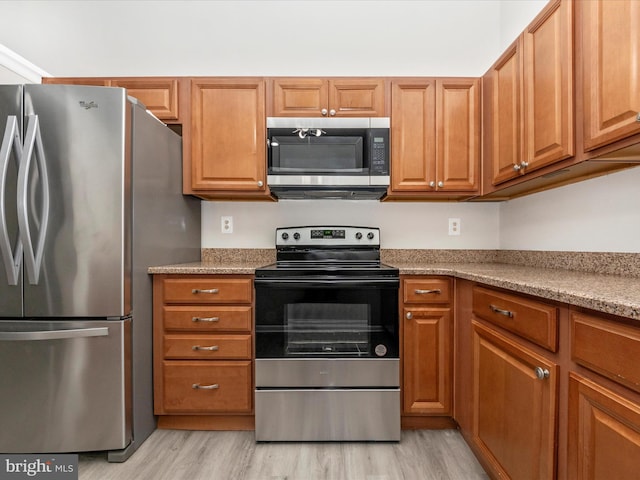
379	151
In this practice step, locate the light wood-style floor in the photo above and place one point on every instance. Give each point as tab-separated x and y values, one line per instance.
197	455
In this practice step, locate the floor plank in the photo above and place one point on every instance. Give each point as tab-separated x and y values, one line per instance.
197	455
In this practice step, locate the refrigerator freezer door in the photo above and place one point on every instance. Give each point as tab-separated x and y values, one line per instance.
11	250
65	386
86	266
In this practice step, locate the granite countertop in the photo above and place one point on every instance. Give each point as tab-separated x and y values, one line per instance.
615	294
210	268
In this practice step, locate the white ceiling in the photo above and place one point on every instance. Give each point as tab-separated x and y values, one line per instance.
247	37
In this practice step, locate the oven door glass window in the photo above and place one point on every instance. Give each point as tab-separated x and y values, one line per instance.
347	322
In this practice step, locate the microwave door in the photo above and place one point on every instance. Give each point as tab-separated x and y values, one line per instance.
323	155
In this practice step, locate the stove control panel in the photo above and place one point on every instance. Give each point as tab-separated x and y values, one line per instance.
328	236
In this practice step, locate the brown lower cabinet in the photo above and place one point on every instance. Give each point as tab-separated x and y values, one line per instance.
604	432
427	334
514	406
203	351
545	390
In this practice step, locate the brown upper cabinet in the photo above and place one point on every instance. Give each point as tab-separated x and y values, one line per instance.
435	137
528	94
159	94
610	44
228	136
319	97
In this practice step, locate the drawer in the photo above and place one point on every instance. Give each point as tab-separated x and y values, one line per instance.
208	290
606	347
533	320
426	290
207	319
207	347
185	387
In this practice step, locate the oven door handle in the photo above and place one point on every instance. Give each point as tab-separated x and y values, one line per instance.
336	283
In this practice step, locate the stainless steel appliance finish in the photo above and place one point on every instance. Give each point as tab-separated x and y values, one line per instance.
318	372
343	158
87	379
90	198
328	415
327	361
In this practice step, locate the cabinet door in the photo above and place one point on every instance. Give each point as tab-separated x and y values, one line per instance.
426	361
611	72
514	411
300	97
359	97
413	135
228	134
506	114
604	433
157	94
548	86
458	134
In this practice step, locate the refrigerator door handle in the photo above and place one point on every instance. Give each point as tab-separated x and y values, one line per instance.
55	334
32	144
10	142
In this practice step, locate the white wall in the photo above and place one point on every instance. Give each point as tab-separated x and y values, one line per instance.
303	37
403	225
601	214
9	77
514	18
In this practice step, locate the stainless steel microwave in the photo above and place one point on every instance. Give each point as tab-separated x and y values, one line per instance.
346	158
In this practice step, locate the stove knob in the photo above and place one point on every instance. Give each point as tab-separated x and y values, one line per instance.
358	235
370	235
285	236
296	236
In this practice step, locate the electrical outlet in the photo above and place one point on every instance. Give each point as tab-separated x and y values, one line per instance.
454	226
226	224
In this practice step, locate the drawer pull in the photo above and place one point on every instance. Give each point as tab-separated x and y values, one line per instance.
197	386
210	290
541	373
437	291
212	348
205	319
500	311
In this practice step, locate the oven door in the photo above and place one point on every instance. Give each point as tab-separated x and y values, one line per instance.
327	318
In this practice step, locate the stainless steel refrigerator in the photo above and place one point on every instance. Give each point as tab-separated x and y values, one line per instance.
90	197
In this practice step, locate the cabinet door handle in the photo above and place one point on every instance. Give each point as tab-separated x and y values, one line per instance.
409	315
212	348
437	291
197	386
500	311
210	290
517	168
324	112
432	184
440	184
524	164
542	373
638	117
205	319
